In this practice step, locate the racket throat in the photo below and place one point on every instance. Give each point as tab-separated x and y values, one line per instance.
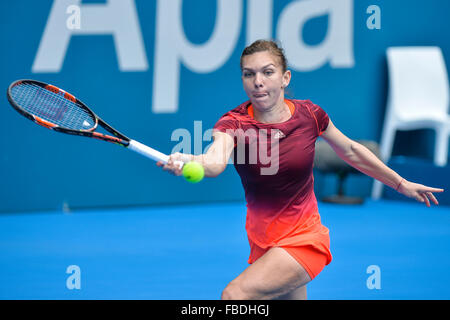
104	137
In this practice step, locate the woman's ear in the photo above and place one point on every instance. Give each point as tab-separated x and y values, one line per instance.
286	79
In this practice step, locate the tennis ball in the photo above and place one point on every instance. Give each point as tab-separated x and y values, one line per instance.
193	172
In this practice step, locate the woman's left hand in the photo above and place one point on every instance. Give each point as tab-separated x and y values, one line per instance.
419	192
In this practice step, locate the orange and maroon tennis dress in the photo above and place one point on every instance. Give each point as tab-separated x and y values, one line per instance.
275	164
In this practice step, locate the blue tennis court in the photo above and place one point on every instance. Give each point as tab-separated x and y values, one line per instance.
193	251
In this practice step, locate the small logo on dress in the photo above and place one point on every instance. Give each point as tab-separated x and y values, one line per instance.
279	134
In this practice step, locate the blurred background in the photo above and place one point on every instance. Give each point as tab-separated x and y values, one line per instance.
163	72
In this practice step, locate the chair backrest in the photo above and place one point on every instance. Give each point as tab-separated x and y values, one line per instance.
418	82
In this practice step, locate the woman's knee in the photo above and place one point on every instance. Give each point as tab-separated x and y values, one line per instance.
233	292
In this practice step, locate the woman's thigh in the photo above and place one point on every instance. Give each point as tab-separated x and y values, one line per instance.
296	294
273	275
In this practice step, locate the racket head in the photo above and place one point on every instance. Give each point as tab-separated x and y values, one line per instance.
51	107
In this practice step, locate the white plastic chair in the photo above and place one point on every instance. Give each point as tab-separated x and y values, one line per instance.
418	98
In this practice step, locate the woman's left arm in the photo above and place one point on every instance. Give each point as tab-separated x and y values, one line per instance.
361	158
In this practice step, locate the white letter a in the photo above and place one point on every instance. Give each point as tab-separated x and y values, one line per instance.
116	17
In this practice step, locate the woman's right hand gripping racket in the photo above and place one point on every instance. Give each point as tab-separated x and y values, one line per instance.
60	111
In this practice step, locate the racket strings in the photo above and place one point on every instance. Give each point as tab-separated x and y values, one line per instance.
52	107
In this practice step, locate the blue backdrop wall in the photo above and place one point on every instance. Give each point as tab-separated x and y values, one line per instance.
164	71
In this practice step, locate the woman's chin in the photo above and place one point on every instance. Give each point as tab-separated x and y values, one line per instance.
262	102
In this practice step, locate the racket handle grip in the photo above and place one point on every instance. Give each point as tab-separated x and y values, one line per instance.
151	153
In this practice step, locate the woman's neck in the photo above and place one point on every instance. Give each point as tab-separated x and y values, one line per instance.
280	112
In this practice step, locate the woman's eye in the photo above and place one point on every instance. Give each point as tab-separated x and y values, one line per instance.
248	74
268	72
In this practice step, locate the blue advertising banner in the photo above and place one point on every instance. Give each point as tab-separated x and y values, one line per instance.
164	71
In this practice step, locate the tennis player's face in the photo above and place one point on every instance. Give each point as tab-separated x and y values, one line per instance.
264	80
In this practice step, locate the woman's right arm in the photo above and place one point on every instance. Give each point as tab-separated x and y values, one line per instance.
214	161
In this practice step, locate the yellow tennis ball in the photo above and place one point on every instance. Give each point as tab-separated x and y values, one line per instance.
193	172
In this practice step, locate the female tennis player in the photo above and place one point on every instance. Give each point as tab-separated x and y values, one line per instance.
289	246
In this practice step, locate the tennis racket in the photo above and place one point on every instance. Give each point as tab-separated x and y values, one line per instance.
58	110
